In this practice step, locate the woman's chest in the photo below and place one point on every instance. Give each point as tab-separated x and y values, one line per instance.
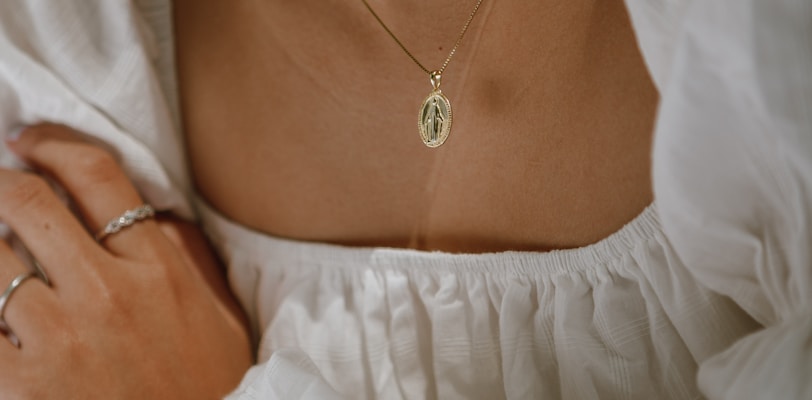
301	121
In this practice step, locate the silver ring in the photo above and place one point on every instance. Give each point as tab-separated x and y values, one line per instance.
129	218
15	283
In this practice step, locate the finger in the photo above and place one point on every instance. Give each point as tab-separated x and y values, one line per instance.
10	358
94	180
29	309
9	352
46	227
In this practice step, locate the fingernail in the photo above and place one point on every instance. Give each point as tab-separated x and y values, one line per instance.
15	134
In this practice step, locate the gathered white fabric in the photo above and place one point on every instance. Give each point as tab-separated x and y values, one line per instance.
707	294
620	319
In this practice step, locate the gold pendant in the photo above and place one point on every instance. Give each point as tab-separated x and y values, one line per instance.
434	120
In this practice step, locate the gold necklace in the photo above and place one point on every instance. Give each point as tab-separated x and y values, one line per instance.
434	118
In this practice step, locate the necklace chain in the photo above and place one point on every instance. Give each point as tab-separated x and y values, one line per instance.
408	53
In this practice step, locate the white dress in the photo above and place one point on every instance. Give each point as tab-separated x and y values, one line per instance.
707	294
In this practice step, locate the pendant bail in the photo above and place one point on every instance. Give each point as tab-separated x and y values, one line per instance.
435	77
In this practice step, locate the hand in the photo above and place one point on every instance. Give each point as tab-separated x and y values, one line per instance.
131	317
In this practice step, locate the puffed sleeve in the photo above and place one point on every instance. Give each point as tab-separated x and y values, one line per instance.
288	375
733	179
94	65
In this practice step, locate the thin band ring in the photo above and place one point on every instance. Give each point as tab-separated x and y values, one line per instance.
15	283
126	219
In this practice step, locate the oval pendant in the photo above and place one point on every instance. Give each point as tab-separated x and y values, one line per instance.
434	120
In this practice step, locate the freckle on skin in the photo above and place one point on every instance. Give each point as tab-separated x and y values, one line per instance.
47	226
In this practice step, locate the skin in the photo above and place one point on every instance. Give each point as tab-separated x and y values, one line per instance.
132	312
301	121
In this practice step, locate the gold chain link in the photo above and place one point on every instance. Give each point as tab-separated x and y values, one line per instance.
453	50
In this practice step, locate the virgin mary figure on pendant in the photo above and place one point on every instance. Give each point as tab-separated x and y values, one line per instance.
435	119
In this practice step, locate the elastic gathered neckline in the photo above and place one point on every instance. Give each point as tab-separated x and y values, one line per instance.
261	246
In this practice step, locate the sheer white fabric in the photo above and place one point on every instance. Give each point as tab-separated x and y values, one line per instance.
105	68
706	294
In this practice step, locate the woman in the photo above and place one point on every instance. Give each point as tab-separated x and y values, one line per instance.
512	253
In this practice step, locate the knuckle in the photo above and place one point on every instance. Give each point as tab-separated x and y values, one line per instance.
162	281
111	302
25	190
106	301
97	165
157	276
